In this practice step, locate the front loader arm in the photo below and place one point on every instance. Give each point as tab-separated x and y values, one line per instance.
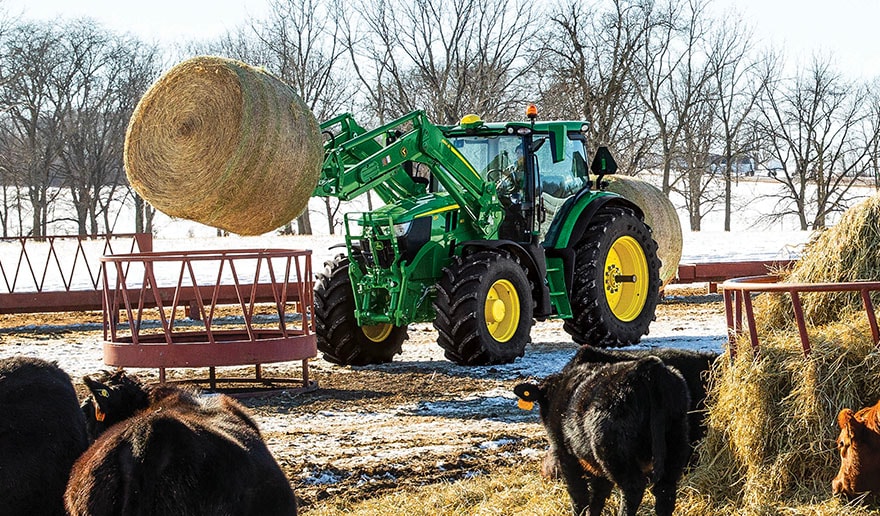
359	164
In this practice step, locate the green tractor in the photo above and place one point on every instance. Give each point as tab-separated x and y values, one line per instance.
485	227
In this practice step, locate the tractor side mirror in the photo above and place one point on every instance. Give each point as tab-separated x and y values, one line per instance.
603	162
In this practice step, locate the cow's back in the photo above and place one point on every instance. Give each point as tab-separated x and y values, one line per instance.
201	459
693	365
42	432
625	412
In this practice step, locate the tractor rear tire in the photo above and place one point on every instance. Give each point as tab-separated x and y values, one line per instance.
616	280
339	337
484	309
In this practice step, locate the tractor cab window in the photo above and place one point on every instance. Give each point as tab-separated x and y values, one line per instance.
491	155
567	177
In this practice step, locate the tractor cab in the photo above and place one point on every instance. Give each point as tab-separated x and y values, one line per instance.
535	168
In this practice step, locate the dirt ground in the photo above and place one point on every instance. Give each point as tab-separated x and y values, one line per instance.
368	430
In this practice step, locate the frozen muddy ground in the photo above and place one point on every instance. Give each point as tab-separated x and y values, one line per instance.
367	430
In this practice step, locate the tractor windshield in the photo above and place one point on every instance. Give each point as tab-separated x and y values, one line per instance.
490	153
568	176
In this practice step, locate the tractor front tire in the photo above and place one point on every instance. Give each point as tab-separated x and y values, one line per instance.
339	337
484	309
616	280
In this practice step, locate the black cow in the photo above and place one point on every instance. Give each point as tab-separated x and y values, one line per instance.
693	365
623	423
167	450
42	432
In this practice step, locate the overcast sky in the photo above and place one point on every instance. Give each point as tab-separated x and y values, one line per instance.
846	29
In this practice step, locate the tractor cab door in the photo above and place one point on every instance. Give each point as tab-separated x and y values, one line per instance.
505	161
515	186
559	181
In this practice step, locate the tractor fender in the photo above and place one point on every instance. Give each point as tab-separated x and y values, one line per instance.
531	257
572	221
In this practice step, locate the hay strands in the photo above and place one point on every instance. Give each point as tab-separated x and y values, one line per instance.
737	295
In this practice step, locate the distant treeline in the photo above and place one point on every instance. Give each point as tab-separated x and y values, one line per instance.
663	83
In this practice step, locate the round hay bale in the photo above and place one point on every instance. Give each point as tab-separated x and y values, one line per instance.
660	215
848	251
225	144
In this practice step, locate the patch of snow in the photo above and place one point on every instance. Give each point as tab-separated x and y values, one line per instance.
494	445
319	477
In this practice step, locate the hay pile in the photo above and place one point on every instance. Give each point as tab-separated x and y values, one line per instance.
848	251
225	144
772	427
660	215
770	446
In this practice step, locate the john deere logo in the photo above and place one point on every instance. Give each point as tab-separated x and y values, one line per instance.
403	151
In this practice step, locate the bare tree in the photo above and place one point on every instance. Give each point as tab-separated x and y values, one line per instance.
700	186
670	74
818	128
737	81
447	58
112	73
874	122
35	70
583	72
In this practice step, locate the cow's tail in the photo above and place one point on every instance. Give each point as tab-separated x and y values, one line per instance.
669	405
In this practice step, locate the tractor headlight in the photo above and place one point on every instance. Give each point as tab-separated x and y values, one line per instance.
402	228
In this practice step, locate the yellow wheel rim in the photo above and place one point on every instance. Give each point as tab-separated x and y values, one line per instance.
377	332
626	278
502	310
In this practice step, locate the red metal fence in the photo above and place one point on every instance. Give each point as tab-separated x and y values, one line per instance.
59	273
737	296
717	272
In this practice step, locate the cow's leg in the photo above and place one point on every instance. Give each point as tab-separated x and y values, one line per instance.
575	482
600	488
666	480
633	487
664	495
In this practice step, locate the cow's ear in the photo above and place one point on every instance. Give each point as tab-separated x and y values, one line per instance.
854	429
100	392
844	417
528	394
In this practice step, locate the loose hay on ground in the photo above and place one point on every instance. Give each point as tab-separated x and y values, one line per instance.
222	143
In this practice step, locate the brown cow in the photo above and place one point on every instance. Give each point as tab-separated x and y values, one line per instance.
859	446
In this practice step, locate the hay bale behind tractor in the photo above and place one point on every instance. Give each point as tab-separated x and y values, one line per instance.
222	143
660	215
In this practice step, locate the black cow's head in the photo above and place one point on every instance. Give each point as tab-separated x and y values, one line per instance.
115	397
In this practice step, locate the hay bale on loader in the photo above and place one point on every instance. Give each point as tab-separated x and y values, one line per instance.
660	215
225	144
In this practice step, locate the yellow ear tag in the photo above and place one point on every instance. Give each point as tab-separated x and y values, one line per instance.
525	405
98	414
